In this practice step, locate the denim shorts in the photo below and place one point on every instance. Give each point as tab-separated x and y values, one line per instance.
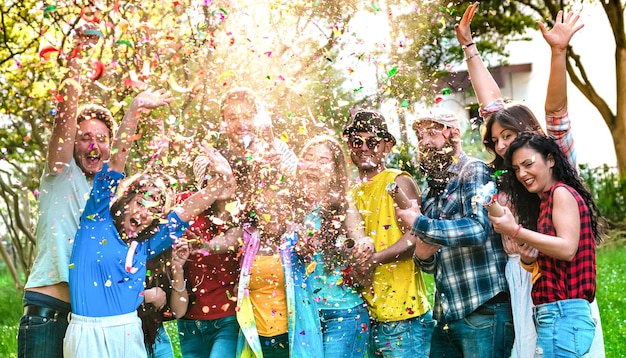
564	328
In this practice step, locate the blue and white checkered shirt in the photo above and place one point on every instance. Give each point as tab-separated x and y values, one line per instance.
469	266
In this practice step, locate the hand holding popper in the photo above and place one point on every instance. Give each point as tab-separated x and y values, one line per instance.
398	195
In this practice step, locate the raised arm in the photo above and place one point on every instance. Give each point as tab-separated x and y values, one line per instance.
125	136
558	38
485	86
219	174
61	146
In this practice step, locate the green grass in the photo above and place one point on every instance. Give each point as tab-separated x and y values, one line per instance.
611	299
10	313
611	280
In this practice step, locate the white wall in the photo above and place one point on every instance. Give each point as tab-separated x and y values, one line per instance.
595	44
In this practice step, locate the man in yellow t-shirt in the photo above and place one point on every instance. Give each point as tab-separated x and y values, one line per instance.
402	319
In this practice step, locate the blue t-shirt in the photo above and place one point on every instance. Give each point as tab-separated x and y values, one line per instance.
100	284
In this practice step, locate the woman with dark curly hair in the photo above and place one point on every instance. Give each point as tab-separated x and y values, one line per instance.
558	217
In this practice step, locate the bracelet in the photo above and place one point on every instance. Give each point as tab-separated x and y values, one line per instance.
184	289
472	56
519	227
468	45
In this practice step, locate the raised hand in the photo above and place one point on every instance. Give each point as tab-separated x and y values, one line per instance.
218	165
151	99
462	29
564	28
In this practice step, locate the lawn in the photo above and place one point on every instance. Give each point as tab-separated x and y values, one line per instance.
611	299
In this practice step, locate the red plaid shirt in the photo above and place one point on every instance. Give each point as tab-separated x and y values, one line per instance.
562	280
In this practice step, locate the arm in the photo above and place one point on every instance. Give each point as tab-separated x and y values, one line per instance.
469	227
409	188
403	248
179	296
558	38
557	121
485	86
156	296
61	146
220	175
566	221
125	136
227	242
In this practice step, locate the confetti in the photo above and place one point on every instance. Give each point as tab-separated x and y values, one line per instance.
500	173
98	70
91	32
46	51
48	10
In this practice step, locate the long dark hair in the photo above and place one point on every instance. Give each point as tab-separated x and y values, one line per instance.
526	204
517	118
137	185
334	207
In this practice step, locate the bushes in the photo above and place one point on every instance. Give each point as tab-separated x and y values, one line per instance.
609	192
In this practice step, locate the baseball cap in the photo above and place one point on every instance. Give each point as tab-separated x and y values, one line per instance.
369	122
440	116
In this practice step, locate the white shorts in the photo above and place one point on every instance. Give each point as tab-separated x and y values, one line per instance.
113	336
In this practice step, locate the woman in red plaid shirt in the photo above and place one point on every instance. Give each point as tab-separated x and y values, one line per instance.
559	218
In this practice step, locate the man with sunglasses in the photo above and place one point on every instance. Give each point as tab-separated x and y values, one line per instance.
456	243
402	320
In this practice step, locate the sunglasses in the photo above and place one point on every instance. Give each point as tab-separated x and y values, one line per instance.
371	142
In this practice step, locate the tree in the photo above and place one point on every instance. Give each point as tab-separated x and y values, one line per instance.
503	20
197	49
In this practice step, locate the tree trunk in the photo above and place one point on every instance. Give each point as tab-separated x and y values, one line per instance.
619	126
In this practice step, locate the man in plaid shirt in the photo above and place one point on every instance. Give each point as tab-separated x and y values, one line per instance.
456	243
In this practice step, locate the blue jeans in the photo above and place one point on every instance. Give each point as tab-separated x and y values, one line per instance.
564	328
41	337
346	332
163	345
407	338
211	338
486	332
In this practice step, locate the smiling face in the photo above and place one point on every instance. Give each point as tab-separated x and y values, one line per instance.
316	171
141	211
501	138
438	145
533	170
368	152
238	122
92	146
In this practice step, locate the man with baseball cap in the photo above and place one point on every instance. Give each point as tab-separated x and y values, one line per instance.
402	320
456	243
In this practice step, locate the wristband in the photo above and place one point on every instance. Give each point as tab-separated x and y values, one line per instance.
472	56
468	45
519	227
184	289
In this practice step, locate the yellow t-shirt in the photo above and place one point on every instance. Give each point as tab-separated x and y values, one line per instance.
267	294
398	291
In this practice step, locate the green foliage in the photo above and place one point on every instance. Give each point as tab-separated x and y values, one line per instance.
608	189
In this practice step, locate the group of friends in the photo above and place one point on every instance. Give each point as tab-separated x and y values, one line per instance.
278	255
